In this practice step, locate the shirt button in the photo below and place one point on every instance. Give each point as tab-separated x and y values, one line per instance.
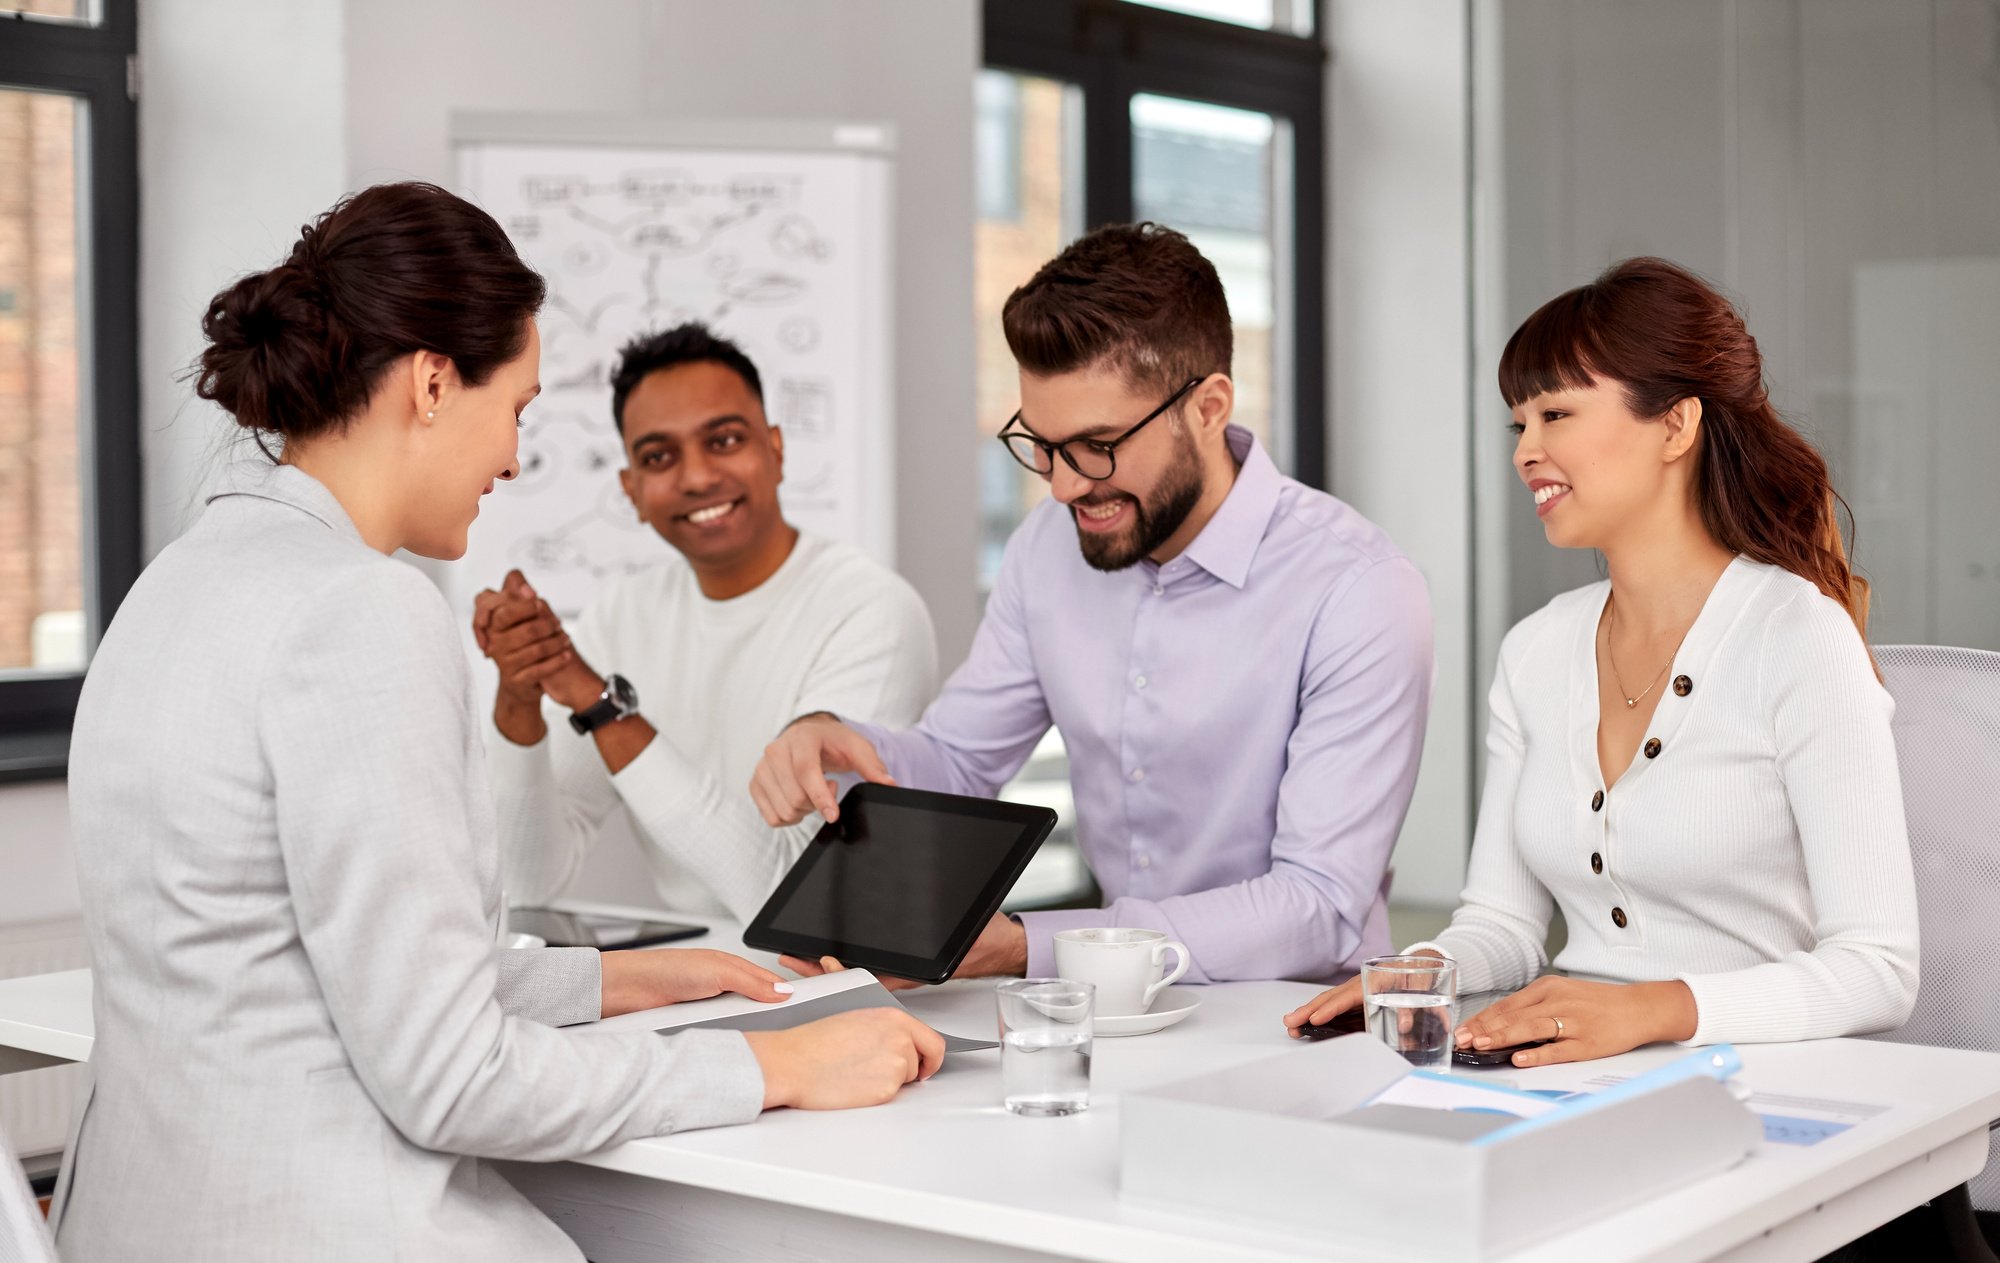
1145	861
1653	747
1596	863
1157	589
1139	683
1597	801
1618	917
1138	774
1682	686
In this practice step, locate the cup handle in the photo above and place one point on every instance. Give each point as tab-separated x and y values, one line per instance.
1181	958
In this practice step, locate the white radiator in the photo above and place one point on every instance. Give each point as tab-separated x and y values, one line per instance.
35	1105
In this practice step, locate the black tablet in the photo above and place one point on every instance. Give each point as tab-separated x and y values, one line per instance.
902	883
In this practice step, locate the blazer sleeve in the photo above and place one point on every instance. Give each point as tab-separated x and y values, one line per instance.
365	720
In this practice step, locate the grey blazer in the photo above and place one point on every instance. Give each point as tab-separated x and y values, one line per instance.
305	1035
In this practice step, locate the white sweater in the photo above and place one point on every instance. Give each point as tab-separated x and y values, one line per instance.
1760	856
832	630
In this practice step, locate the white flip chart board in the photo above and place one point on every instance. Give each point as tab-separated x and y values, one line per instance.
776	235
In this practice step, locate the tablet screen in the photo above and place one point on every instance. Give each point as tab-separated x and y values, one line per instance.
903	882
907	897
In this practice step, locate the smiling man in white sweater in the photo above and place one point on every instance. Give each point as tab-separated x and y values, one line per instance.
658	703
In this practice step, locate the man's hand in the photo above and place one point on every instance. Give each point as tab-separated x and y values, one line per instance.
521	634
1000	951
847	1060
791	778
640	979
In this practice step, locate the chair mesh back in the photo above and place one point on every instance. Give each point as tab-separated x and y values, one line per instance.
1948	746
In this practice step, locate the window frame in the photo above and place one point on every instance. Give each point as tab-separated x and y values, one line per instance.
1112	51
98	63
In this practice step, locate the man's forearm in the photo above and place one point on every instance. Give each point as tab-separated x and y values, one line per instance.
520	722
621	742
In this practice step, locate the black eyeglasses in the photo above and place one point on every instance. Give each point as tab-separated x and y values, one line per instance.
1095	459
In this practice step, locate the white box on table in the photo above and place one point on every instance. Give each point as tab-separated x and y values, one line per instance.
1291	1142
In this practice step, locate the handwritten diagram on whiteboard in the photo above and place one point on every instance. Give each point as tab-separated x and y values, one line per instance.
781	249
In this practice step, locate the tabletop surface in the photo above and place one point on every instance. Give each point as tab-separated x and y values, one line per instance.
945	1157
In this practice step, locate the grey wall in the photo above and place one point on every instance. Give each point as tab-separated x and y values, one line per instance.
1798	155
1398	345
894	61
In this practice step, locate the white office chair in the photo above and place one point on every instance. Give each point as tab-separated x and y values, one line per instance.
1947	729
24	1237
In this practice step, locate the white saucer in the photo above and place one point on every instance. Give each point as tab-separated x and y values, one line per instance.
1171	1006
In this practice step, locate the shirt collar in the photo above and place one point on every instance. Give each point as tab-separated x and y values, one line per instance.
1228	544
287	485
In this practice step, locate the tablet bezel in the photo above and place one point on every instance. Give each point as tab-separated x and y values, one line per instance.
1035	823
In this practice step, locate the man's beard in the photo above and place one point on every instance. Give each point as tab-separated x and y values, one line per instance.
1154	519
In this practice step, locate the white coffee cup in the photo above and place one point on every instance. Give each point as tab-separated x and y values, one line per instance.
1126	966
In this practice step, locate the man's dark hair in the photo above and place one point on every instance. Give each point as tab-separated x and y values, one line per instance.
691	343
1138	298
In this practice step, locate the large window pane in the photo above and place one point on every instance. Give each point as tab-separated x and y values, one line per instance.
58	10
1292	16
42	624
1217	174
1030	196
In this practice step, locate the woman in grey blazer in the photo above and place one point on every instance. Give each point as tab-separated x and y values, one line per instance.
305	1035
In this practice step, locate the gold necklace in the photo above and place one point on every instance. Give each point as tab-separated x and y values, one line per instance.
1610	626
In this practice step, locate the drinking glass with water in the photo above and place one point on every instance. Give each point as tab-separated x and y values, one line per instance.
1409	1004
1045	1027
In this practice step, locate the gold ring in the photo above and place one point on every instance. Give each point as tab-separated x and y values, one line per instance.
1559	1028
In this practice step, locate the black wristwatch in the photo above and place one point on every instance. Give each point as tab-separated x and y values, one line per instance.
618	700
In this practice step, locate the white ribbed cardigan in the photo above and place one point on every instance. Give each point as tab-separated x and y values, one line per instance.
1760	856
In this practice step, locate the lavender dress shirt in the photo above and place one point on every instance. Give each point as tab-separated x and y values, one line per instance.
1243	724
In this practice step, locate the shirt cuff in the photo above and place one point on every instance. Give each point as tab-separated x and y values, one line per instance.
505	758
1428	946
717	1080
1743	1007
658	785
1042	928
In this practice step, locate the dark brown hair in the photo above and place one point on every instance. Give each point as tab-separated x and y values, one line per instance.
394	269
1664	335
1138	298
690	343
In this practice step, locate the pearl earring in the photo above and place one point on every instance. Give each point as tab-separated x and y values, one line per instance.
432	414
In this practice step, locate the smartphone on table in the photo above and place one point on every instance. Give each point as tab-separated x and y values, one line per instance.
609	934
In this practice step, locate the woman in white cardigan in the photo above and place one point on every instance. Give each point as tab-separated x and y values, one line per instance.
1691	759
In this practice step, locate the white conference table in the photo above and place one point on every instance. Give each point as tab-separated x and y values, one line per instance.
944	1172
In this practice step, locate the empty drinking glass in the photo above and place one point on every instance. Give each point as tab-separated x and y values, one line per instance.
1045	1045
1408	1002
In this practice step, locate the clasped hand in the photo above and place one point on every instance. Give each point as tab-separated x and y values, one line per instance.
515	628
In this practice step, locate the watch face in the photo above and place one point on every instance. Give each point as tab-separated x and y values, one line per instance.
624	694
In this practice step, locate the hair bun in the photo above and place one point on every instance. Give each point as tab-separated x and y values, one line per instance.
275	348
387	272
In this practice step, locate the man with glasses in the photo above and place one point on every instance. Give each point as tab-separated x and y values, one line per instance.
1240	665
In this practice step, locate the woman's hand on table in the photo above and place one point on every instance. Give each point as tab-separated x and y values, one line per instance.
1335	1001
847	1060
1582	1020
647	979
1324	1007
